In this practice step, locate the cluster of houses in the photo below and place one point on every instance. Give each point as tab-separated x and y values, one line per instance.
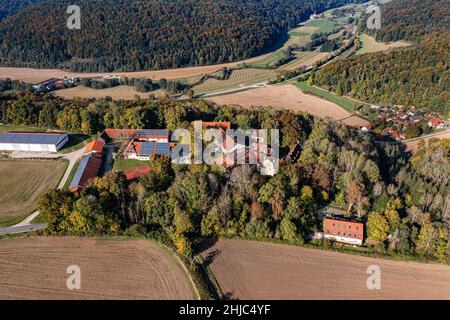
398	119
53	84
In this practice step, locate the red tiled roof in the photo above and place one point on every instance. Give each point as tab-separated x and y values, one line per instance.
343	228
223	124
136	172
120	133
95	146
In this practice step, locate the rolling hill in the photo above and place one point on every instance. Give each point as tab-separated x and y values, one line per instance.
418	75
134	35
9	7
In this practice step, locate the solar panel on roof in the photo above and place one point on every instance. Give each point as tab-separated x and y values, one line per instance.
79	173
35	138
152	132
150	148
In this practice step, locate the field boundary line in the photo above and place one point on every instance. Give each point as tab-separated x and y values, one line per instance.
186	270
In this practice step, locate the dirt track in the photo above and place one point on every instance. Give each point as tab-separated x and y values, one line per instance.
30	75
287	96
256	270
35	268
116	93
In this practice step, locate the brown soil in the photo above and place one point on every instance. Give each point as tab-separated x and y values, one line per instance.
286	96
256	270
30	75
116	93
35	268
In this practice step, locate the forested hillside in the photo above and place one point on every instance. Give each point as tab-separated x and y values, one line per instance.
9	7
133	35
418	75
412	19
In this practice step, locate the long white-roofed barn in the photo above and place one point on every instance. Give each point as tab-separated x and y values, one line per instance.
33	141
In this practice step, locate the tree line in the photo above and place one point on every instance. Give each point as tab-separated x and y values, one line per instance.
412	76
134	35
10	7
411	20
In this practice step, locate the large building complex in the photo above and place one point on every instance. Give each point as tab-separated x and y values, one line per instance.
33	141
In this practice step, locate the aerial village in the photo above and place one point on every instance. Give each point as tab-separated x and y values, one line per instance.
400	123
142	144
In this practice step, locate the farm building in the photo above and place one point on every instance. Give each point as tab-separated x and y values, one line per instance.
139	150
340	230
33	141
87	170
155	135
95	146
118	134
152	135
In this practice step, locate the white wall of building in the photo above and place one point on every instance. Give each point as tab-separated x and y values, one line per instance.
353	241
33	147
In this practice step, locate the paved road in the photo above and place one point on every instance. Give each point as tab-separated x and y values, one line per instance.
73	157
25	225
22	229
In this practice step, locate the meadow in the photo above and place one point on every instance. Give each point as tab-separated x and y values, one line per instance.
21	184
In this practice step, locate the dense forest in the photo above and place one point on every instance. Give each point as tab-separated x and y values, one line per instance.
404	199
412	19
418	75
134	35
9	7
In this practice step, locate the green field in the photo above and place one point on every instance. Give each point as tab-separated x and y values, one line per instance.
369	45
326	25
128	164
297	36
238	77
21	184
76	142
71	175
304	58
10	127
345	103
268	61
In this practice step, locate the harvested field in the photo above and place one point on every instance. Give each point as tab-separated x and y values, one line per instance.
35	268
21	184
116	93
257	270
286	96
30	75
237	78
369	44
